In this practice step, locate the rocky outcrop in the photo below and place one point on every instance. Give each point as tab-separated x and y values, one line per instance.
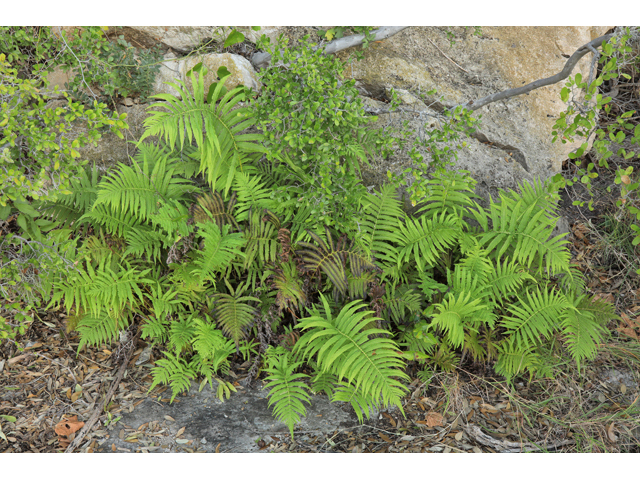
514	141
172	69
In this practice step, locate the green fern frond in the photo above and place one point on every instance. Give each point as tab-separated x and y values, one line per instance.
234	313
221	248
173	371
138	190
524	234
330	258
100	329
286	391
291	294
210	344
252	195
506	278
345	348
583	326
424	239
514	359
181	334
346	392
381	222
115	222
145	241
102	290
449	192
536	315
68	209
323	382
454	313
262	241
402	303
223	149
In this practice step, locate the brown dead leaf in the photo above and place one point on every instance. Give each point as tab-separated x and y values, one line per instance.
434	419
611	433
628	326
69	425
181	431
386	438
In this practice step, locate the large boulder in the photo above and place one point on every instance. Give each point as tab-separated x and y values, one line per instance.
514	141
172	69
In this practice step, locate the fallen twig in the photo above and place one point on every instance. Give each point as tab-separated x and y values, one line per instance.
505	446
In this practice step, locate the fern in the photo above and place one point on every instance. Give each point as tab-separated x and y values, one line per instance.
103	290
224	148
381	222
286	391
535	315
330	258
234	313
450	193
583	326
424	239
211	207
173	371
343	347
262	242
145	241
138	189
221	248
252	195
523	233
100	329
514	359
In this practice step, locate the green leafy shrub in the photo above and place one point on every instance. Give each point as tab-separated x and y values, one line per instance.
316	134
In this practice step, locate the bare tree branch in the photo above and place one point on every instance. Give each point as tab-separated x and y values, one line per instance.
566	71
261	59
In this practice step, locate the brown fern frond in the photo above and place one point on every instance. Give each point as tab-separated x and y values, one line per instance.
211	207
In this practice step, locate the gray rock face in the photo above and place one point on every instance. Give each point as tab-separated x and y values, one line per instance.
235	424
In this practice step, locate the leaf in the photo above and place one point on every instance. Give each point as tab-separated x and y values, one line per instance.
233	38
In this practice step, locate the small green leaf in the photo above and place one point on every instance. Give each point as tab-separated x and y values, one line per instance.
233	38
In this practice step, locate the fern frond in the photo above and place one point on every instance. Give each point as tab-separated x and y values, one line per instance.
223	149
583	326
145	241
287	392
252	195
262	240
345	348
347	392
523	233
453	314
173	371
234	313
381	222
116	222
138	190
514	359
221	248
449	192
535	316
330	258
290	289
181	334
505	279
211	207
424	239
100	329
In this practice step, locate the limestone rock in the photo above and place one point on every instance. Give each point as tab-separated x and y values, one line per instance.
182	39
242	73
514	141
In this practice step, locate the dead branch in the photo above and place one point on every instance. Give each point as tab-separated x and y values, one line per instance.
262	60
566	71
